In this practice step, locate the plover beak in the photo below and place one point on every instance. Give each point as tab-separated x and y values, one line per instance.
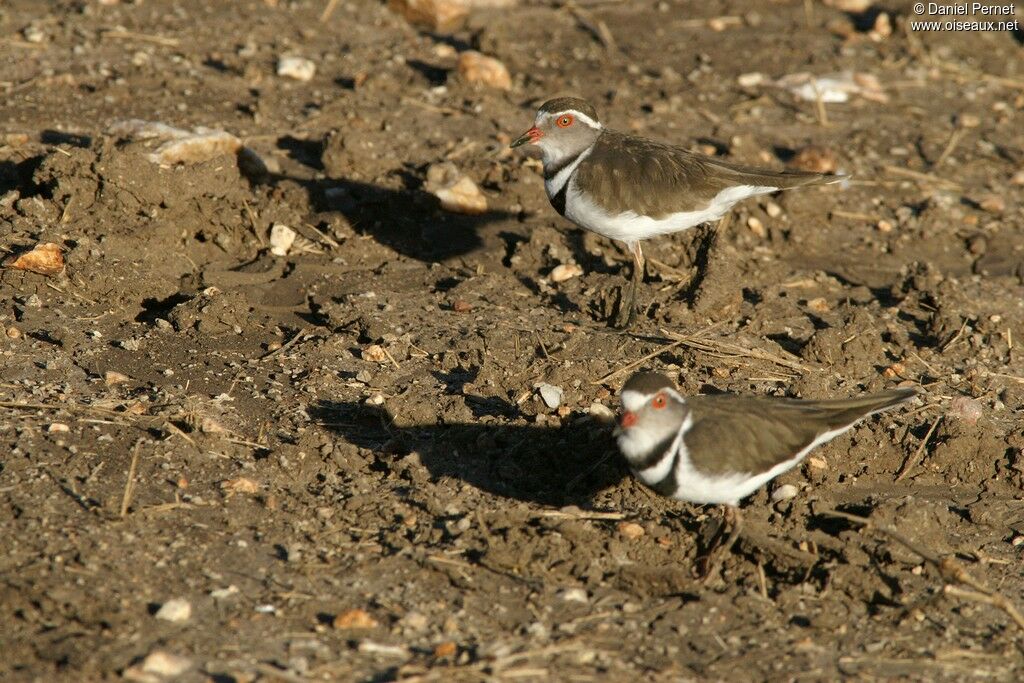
530	137
627	420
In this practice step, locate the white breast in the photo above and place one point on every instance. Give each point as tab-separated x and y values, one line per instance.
629	226
555	183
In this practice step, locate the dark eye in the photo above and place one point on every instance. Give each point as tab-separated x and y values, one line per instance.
659	402
564	121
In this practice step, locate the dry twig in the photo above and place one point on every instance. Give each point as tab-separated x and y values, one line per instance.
129	485
582	514
729	350
287	345
916	457
922	177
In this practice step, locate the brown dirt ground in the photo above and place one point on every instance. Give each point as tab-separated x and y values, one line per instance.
478	529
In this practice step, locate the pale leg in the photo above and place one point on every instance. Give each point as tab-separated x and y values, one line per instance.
732	518
627	307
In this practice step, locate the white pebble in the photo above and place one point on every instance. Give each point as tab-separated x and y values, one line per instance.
551	395
457	192
784	492
165	664
281	239
749	80
224	593
573	595
299	68
177	609
756	226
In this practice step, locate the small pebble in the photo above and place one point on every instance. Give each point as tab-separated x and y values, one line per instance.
818	305
772	209
882	27
969	120
965	409
299	68
354	619
884	226
437	15
375	400
112	377
281	239
239	485
224	593
784	492
565	271
630	530
817	463
749	80
897	369
175	610
58	427
444	51
33	34
479	69
457	193
573	595
992	203
757	227
446	650
550	394
374	353
166	664
415	621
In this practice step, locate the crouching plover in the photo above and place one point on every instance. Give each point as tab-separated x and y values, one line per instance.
721	448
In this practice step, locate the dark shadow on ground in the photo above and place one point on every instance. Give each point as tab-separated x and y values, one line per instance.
410	221
407	219
545	465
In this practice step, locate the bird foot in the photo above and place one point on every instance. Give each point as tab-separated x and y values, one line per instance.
625	316
712	560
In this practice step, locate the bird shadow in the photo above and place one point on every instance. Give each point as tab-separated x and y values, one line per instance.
408	219
553	466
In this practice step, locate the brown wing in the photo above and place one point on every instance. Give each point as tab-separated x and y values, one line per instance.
759	433
626	172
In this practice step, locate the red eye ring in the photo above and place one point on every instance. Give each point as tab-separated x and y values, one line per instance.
659	402
564	121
